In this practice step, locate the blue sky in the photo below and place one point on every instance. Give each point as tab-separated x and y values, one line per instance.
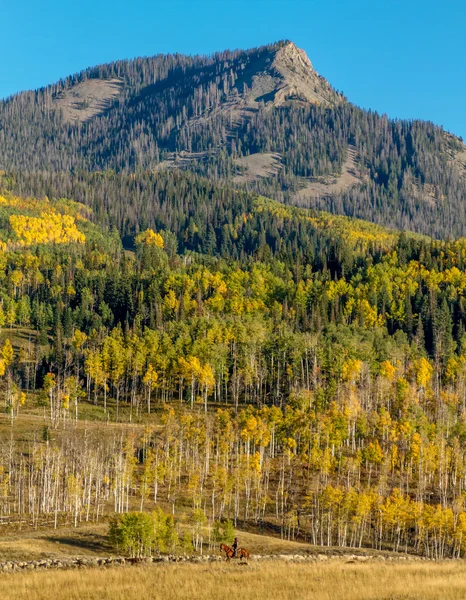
403	57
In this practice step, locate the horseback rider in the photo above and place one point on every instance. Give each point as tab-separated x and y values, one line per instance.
235	546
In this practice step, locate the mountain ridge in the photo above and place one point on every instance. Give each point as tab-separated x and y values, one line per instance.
261	119
286	73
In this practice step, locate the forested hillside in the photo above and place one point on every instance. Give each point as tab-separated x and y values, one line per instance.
305	371
260	119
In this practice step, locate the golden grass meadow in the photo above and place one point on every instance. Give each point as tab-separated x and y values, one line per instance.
256	581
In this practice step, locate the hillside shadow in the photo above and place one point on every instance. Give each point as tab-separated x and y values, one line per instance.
93	543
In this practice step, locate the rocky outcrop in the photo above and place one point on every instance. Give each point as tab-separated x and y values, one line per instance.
287	75
300	81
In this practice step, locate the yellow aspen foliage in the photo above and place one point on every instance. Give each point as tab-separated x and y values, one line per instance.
387	370
79	339
151	377
150	238
365	501
16	278
189	305
249	427
66	401
49	228
373	453
369	314
290	444
460	530
7	353
255	463
49	382
349	307
454	366
415	450
352	405
357	233
423	372
337	288
451	399
216	303
219	284
206	377
351	369
189	367
11	313
170	302
394	453
384	421
332	496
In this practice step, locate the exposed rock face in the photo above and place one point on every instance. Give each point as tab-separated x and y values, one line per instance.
287	75
300	81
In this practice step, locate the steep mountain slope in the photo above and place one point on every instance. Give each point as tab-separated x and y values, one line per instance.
150	106
262	119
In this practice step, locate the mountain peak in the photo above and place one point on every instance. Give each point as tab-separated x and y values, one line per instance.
262	118
287	75
289	52
298	80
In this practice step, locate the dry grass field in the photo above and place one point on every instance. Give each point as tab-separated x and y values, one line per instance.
63	542
335	580
277	579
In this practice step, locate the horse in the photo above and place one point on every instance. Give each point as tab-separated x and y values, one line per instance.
230	553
